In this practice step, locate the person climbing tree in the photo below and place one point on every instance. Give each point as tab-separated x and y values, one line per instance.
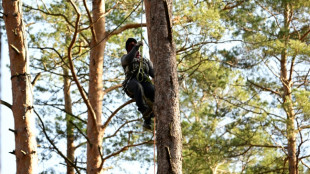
137	83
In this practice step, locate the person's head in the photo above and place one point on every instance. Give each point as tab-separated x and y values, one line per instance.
130	43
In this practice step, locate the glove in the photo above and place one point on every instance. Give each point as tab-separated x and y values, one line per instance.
140	43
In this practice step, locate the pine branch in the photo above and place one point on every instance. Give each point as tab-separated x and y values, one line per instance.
57	15
303	37
264	88
230	6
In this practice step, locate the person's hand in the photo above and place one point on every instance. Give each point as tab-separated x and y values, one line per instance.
140	43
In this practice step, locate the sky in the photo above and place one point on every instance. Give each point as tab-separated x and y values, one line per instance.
7	138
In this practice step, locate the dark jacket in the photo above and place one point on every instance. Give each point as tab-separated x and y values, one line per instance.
131	63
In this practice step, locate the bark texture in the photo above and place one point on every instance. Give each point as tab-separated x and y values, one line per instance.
95	94
25	142
166	106
70	128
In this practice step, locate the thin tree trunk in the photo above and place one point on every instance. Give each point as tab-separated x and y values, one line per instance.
166	106
25	142
287	97
70	127
94	132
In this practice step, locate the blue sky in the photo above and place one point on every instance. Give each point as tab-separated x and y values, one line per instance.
7	137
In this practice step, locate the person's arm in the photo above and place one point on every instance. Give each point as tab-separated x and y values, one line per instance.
151	69
127	59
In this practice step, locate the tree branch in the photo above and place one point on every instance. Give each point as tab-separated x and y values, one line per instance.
126	27
6	104
229	5
111	89
307	156
264	88
81	132
70	114
303	37
90	20
105	125
304	127
35	79
86	101
276	19
53	144
57	15
126	148
120	128
302	162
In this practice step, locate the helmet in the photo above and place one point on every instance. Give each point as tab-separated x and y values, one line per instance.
129	40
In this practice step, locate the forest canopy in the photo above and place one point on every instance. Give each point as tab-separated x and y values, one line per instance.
242	70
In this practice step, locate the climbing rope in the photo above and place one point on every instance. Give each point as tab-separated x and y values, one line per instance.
111	31
154	135
141	70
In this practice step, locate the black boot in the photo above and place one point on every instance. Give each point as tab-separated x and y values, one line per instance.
147	113
147	124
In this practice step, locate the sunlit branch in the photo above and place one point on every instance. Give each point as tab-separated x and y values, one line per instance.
89	107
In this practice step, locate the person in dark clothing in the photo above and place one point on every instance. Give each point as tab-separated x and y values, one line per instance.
137	83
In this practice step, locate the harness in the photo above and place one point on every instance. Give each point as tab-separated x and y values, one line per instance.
139	70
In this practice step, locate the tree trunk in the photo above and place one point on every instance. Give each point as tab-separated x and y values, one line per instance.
95	89
25	142
287	97
166	106
70	128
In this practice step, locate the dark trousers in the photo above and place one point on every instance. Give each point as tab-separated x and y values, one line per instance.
138	90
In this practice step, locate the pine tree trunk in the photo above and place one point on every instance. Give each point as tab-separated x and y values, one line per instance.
70	128
287	97
166	106
95	89
25	142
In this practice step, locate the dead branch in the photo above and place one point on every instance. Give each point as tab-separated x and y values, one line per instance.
90	20
302	162
126	148
114	134
81	132
35	79
6	104
53	144
105	125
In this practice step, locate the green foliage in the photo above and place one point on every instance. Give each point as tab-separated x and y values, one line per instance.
232	109
302	103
